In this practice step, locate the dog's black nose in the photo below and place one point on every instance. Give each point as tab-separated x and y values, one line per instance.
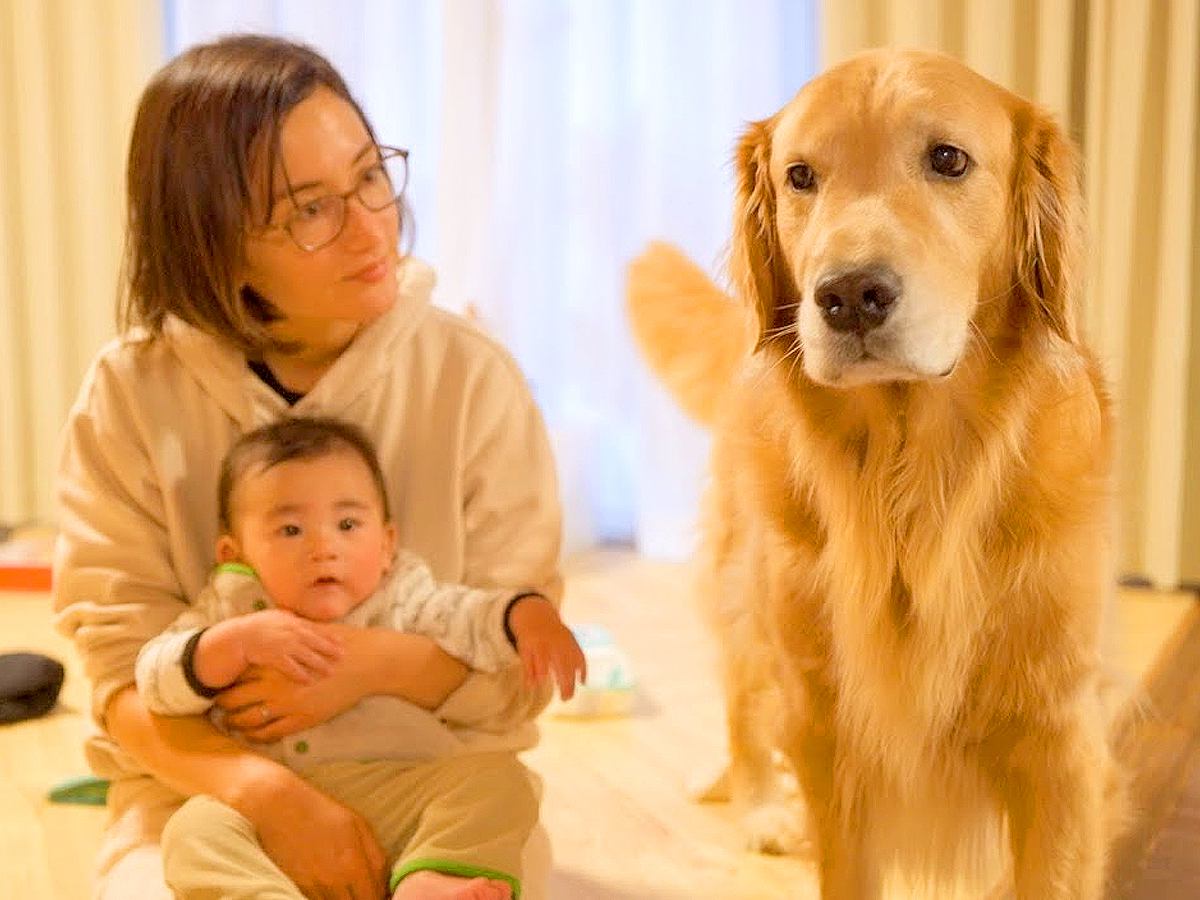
858	299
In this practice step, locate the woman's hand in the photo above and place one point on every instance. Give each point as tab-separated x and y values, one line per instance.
327	849
265	705
324	847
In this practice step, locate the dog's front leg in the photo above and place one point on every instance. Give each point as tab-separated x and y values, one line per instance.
849	867
772	815
1053	784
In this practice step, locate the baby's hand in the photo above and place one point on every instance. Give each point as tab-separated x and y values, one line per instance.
300	649
546	646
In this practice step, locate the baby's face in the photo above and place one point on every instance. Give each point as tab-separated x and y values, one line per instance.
314	531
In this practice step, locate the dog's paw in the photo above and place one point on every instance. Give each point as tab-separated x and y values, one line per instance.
777	828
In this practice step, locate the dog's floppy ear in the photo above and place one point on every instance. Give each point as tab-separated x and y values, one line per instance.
754	253
1048	221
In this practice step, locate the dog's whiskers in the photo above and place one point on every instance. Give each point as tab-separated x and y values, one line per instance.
986	301
793	353
978	335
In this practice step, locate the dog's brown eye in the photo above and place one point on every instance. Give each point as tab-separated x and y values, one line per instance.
801	177
949	161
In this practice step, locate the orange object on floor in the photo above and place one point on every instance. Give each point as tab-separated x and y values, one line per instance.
24	577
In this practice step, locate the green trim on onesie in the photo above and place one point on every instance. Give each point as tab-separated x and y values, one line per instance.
238	568
452	867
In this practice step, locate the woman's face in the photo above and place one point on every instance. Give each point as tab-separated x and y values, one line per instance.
325	149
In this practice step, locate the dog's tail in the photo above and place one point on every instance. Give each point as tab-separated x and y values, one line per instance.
694	336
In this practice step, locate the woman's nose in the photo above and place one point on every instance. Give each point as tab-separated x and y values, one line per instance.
364	227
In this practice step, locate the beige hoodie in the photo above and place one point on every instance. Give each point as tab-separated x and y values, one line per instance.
463	448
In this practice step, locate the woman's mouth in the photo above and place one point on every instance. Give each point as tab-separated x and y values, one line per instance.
371	274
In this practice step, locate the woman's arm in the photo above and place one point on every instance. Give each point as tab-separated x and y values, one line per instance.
320	844
513	527
411	667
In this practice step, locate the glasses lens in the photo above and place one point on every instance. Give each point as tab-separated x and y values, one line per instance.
317	222
383	184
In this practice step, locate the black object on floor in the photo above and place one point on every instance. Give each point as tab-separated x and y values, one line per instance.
29	685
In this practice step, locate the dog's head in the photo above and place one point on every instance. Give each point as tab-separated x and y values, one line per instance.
900	210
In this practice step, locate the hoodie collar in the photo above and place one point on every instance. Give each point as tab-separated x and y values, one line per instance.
221	369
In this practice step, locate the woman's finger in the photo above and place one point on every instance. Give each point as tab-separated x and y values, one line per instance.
250	717
361	879
242	695
376	860
326	645
295	668
323	665
274	730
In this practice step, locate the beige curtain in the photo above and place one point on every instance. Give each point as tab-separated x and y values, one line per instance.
70	73
1123	76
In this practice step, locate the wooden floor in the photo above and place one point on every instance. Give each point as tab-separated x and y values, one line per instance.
616	791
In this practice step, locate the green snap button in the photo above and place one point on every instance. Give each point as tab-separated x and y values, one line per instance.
260	604
301	746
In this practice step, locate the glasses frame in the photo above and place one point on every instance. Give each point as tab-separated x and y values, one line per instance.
385	153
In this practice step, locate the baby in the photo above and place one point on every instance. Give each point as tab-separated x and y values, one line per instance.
307	539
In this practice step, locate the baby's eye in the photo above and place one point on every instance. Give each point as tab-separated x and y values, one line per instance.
348	524
289	530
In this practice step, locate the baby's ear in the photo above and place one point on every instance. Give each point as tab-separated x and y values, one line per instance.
227	549
389	546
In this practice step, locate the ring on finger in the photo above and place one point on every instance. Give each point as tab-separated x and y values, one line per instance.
264	713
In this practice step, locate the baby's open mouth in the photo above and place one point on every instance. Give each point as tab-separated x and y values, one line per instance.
326	579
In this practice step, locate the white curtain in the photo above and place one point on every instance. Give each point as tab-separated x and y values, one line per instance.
70	74
550	141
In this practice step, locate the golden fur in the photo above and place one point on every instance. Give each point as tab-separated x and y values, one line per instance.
907	528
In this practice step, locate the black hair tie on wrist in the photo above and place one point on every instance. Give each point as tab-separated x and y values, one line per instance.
508	632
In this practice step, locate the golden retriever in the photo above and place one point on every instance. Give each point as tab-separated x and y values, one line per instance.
907	528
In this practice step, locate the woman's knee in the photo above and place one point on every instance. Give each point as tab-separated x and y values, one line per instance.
199	823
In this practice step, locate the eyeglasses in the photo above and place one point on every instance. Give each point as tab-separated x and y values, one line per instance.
315	223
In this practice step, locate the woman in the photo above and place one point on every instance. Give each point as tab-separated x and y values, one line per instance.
263	275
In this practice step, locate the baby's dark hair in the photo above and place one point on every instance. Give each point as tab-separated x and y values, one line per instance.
302	437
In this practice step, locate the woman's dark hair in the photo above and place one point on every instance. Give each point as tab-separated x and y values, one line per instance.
205	138
302	437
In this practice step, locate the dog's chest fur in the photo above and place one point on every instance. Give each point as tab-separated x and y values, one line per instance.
908	503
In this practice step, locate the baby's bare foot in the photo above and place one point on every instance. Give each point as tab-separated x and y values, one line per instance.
429	885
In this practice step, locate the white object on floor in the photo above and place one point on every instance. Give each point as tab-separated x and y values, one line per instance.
610	685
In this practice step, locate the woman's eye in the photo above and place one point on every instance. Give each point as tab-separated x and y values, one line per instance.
314	209
948	160
801	177
373	175
290	530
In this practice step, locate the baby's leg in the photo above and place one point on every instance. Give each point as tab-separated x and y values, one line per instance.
461	824
430	885
473	816
210	851
477	815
